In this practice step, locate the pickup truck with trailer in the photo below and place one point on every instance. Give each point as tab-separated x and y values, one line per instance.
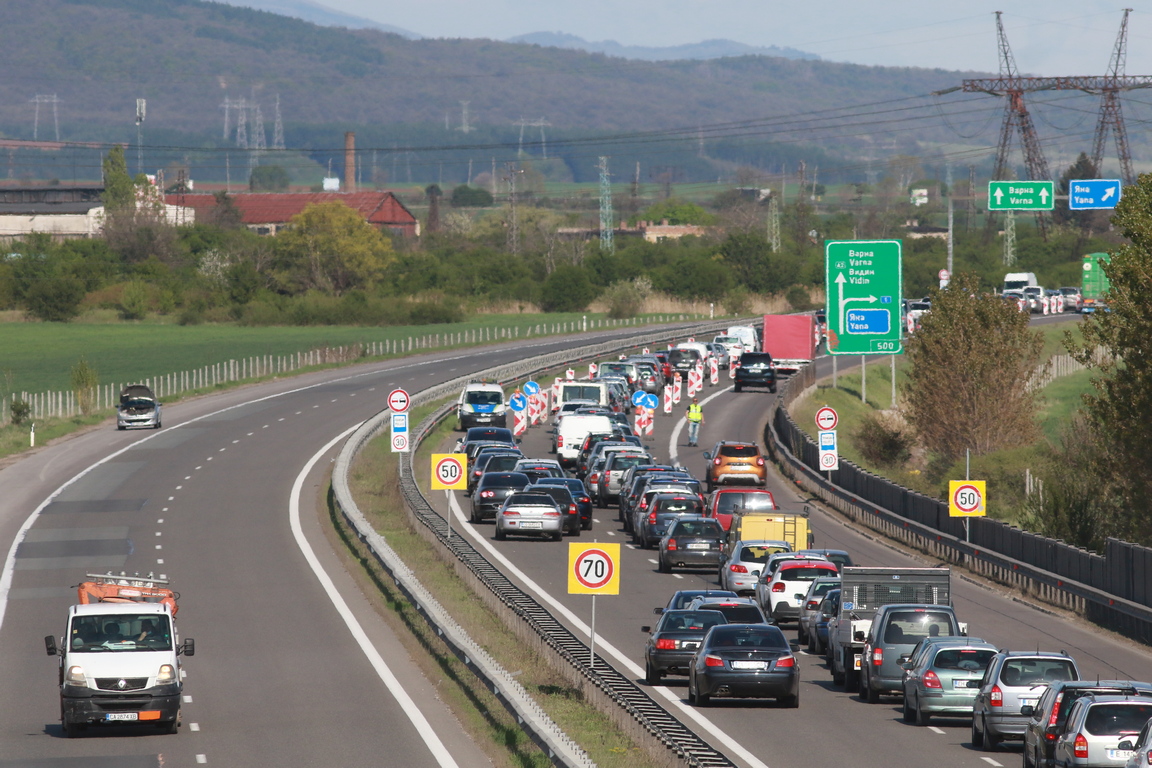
863	590
791	340
120	655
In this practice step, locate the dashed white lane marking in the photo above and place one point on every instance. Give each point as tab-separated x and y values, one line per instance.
297	413
421	725
179	487
990	761
282	418
264	427
183	672
251	433
652	560
171	498
333	400
187	699
194	727
373	389
611	533
677	576
352	394
189	477
209	458
234	442
197	467
159	546
159	521
158	532
201	758
221	450
934	729
159	561
165	509
630	546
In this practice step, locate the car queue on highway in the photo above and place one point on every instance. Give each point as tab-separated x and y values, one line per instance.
728	640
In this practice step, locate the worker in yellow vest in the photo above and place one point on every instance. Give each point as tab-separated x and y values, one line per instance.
695	418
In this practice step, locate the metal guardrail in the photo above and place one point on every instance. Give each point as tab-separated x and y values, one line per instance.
619	688
1126	616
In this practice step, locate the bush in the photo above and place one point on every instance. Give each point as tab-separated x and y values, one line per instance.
883	440
465	196
134	301
21	410
738	301
567	289
625	298
191	316
85	383
433	312
798	298
54	299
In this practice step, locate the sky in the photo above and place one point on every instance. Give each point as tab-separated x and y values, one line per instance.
1048	37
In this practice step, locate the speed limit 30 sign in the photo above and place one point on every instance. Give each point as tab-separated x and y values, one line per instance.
967	498
593	569
449	472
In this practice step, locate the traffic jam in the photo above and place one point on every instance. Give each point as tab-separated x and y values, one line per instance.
768	595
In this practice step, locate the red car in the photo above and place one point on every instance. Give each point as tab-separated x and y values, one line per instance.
723	501
665	366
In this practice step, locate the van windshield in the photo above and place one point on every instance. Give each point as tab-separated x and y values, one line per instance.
484	398
581	392
678	356
120	632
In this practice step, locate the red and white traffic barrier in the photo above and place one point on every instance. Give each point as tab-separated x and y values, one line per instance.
519	423
733	364
649	421
570	374
592	368
677	382
713	371
667	399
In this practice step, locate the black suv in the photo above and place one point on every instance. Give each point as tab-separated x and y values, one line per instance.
756	370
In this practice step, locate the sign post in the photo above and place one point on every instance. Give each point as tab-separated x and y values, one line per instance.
829	456
966	498
399	401
864	280
1021	196
593	569
449	472
399	433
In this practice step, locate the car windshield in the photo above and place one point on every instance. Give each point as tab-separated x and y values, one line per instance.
824	587
911	627
582	392
1116	718
805	573
678	356
743	637
679	621
120	632
626	460
739	451
683	598
737	613
749	359
484	398
759	553
531	500
965	659
746	502
501	462
504	480
138	402
702	528
1032	672
678	505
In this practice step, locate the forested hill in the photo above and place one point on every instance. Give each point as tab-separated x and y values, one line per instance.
185	57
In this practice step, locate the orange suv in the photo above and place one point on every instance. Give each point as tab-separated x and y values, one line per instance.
731	462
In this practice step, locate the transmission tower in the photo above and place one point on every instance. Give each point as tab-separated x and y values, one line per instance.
1009	238
606	243
464	127
227	105
774	224
1110	115
520	145
278	129
541	123
258	139
41	99
241	122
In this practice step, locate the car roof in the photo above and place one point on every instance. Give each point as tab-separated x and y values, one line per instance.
483	386
1035	654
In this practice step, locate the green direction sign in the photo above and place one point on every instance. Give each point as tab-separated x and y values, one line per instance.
864	279
1021	196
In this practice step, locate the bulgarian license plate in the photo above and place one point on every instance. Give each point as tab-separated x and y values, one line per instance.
121	716
965	684
534	525
698	545
749	665
1119	754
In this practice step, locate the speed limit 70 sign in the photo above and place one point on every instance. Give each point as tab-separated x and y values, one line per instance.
449	472
967	498
593	569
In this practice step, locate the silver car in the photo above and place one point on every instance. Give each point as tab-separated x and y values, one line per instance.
810	606
945	681
1141	747
742	569
529	514
1014	679
1097	725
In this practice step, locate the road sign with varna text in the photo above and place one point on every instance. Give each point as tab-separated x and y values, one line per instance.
1021	196
863	285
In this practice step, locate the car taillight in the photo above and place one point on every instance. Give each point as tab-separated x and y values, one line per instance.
996	697
1080	746
477	473
665	644
572	510
552	514
487	494
584	500
1055	713
932	680
509	512
716	461
713	661
559	441
813	605
644	504
737	568
759	461
652	518
594	478
878	660
671	545
785	661
778	586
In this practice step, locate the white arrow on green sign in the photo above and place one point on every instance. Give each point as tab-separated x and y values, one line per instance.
1021	196
863	285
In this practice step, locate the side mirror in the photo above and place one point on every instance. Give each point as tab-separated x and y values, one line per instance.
50	645
858	636
658	611
1126	745
906	665
708	455
646	628
188	648
1026	710
904	659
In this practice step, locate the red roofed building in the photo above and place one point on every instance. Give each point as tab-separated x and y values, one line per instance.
267	212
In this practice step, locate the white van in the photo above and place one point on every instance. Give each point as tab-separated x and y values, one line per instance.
747	336
1016	281
595	391
572	430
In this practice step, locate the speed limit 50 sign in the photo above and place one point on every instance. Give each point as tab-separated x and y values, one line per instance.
449	472
593	569
967	498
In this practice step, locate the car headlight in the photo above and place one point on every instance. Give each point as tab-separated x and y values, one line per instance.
75	676
467	408
500	408
167	674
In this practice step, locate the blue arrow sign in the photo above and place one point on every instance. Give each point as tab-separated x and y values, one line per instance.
531	388
517	402
651	401
639	397
1093	194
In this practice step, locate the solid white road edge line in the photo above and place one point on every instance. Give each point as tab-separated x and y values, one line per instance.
601	644
672	454
422	726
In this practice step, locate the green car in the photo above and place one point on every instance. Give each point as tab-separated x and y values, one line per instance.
944	680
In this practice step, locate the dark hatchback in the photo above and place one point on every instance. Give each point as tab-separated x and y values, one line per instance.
683	597
756	369
744	661
579	493
692	543
674	641
492	490
565	501
503	461
665	509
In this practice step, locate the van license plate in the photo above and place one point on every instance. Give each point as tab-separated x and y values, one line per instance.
121	716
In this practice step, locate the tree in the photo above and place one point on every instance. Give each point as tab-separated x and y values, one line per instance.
329	247
135	221
1116	412
970	366
224	214
676	211
567	289
119	189
1081	169
269	178
85	382
465	196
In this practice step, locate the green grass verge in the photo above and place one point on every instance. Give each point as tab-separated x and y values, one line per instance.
373	485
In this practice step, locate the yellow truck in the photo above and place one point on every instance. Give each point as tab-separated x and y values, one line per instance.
772	526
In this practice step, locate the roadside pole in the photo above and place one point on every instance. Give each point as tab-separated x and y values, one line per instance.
863	379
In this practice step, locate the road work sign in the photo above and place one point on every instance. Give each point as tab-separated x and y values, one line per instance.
863	284
1021	196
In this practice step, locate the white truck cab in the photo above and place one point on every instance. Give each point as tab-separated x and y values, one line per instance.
119	664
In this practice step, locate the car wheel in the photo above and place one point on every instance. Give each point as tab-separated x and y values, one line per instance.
772	389
651	675
172	727
991	740
837	677
158	425
576	531
871	694
472	516
811	647
691	691
790	702
906	711
588	525
922	717
665	567
121	428
702	699
735	387
977	738
500	535
1028	763
557	536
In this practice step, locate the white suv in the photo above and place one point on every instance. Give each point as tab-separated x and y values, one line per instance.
781	594
481	404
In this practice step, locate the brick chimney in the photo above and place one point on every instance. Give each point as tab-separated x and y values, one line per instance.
349	161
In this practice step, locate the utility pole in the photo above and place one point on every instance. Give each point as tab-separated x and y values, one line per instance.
774	224
971	199
141	108
606	243
514	230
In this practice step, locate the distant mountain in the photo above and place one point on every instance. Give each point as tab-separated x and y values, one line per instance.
708	49
320	14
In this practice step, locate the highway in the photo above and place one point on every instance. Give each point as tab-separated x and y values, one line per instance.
293	666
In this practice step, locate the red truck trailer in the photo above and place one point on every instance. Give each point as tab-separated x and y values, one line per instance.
791	340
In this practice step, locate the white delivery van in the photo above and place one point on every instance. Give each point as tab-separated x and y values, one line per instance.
747	336
572	430
582	389
1017	281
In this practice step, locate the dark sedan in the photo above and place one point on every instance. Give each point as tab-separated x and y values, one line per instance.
674	641
492	490
692	543
744	661
579	493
